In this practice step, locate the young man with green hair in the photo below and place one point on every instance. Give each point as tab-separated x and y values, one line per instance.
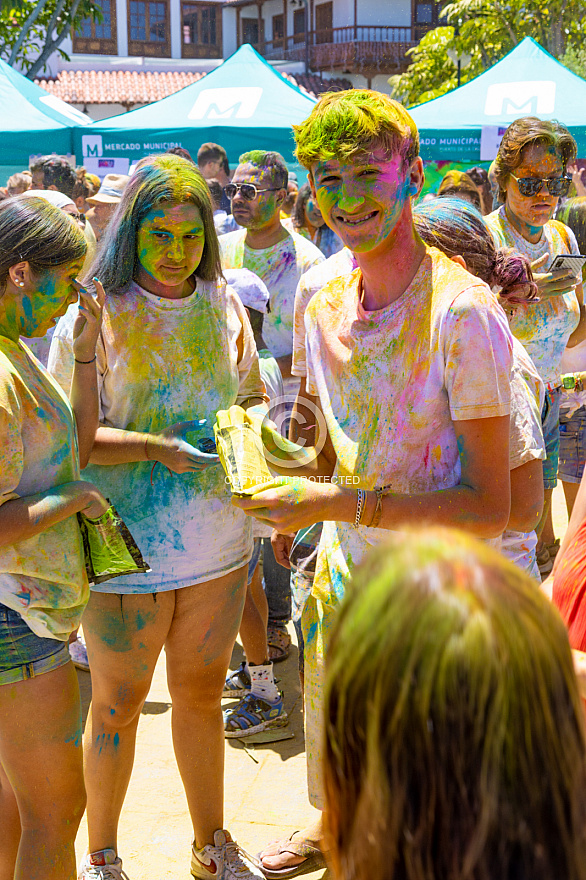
408	363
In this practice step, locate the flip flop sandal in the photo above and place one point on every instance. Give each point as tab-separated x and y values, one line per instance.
314	859
279	643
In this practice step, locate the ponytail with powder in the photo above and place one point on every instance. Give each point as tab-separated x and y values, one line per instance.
458	229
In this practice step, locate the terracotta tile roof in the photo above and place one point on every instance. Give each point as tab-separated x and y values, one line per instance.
140	87
314	85
116	86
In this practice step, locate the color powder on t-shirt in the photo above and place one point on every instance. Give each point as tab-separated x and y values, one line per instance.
544	327
280	267
162	362
392	382
42	577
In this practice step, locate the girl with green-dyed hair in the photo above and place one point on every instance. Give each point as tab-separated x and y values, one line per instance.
454	744
176	347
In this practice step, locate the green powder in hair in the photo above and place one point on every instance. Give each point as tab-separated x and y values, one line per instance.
345	124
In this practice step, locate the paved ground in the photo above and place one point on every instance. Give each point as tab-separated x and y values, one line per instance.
265	785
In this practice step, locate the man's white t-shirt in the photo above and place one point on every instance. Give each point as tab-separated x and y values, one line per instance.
280	267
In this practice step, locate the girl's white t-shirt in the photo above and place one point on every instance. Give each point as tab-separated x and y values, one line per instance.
161	362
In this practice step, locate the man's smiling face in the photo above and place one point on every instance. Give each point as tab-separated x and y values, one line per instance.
362	200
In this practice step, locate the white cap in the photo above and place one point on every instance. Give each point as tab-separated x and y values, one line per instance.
252	291
59	199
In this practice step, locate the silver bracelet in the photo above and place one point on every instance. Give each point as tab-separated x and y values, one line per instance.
359	506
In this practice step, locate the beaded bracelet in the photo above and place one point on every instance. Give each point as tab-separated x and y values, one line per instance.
359	505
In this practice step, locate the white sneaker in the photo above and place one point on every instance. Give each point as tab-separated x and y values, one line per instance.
224	861
104	865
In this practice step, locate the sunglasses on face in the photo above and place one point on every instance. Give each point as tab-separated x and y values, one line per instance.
248	191
531	186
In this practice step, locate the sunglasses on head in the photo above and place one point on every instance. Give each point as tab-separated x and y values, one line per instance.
248	191
531	186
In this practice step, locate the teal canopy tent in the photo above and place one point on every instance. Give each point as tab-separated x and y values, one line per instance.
466	124
243	105
33	121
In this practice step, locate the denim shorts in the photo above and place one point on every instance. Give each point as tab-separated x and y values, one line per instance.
550	421
572	446
23	654
254	558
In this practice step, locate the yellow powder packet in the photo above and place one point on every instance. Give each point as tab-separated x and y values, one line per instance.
240	449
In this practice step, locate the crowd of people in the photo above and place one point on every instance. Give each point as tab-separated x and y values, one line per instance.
414	369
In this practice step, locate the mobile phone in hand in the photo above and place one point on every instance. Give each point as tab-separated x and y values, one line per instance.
573	263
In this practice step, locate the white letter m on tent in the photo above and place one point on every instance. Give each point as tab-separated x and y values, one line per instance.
91	145
235	103
520	98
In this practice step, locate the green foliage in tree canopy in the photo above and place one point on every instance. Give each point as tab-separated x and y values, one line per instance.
575	59
487	30
31	30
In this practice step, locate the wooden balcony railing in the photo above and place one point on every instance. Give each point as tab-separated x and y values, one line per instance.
354	48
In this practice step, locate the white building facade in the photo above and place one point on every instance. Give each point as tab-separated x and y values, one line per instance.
363	41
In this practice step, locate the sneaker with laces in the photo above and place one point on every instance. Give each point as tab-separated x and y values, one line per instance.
224	861
237	683
102	865
253	714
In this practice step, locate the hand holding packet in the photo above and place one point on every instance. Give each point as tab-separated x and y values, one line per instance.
109	549
240	449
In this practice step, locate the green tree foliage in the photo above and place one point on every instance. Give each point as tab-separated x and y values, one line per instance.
32	30
575	59
487	30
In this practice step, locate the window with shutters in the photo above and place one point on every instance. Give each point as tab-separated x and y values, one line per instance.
324	22
98	37
201	30
148	28
299	26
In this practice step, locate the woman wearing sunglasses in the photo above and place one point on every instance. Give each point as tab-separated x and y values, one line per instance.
530	170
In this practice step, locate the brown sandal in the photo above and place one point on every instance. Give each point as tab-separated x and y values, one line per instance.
313	858
279	643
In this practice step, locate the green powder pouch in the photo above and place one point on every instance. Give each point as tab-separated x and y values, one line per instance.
109	548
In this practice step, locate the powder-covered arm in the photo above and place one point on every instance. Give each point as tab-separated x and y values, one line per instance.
480	503
28	515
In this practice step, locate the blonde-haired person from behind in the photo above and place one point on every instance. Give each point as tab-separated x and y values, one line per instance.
454	730
19	183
